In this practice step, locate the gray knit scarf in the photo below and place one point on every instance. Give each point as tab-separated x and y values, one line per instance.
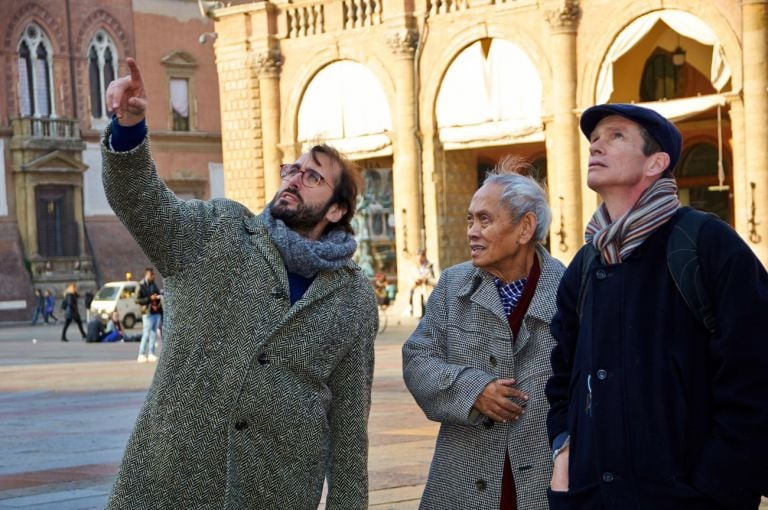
304	256
615	241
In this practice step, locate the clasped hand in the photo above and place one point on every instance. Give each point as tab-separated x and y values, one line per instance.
496	402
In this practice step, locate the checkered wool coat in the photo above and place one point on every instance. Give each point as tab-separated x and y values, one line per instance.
253	401
462	344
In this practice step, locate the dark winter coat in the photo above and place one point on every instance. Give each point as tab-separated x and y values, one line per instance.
71	308
662	415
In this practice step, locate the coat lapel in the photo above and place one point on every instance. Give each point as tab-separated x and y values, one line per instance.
483	292
543	305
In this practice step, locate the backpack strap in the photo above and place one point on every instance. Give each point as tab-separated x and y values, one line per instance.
683	264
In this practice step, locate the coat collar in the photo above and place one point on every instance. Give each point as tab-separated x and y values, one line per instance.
481	289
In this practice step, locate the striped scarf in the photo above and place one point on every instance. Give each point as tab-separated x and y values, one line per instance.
615	241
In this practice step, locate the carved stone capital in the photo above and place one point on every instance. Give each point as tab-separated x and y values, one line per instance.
564	18
403	42
268	63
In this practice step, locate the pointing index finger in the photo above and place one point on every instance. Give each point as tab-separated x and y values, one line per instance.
135	73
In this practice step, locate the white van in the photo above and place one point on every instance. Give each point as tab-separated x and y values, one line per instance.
120	296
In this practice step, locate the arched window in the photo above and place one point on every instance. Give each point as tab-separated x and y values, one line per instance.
102	69
662	79
35	74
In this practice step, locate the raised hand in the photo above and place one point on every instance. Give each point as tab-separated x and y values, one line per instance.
127	98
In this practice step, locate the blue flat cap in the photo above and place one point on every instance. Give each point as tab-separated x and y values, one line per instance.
663	131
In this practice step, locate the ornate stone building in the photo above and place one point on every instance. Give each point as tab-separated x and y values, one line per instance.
57	57
427	95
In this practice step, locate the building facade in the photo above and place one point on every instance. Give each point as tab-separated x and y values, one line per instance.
58	58
427	95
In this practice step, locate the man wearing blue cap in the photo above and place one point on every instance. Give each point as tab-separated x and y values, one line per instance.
650	408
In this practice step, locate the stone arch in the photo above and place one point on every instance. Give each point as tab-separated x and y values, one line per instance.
30	12
104	20
462	40
99	19
314	64
34	12
619	17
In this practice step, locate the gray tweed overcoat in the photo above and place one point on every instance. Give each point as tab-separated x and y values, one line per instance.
253	401
463	343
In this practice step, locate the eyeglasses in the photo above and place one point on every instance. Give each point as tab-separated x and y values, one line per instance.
309	178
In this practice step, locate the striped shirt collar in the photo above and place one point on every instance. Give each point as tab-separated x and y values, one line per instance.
510	294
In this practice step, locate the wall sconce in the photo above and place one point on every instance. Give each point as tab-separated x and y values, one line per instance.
561	233
754	237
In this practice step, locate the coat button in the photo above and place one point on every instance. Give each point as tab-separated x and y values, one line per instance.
488	423
241	425
276	292
480	484
602	374
492	359
600	274
607	477
263	359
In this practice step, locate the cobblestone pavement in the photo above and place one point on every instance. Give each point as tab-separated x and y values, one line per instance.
66	410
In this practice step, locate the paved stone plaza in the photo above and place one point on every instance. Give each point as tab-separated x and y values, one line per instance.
66	411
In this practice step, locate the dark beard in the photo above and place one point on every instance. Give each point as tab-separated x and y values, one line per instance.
303	219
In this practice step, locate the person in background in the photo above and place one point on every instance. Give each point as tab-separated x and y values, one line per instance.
39	305
50	304
115	331
479	358
423	278
71	311
95	330
152	313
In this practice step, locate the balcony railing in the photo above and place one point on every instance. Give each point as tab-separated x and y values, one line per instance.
44	127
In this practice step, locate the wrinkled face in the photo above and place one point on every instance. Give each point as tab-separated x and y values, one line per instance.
616	158
301	207
493	237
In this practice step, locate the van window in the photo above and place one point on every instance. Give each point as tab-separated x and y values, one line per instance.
106	294
129	292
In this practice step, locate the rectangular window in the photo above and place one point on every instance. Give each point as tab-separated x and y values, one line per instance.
180	103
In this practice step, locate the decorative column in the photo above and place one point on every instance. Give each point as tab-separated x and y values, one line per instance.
737	142
562	136
755	57
406	168
267	67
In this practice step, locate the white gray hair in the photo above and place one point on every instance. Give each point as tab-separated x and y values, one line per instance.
520	193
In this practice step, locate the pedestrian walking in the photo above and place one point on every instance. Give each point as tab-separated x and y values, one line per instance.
71	309
50	305
39	307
